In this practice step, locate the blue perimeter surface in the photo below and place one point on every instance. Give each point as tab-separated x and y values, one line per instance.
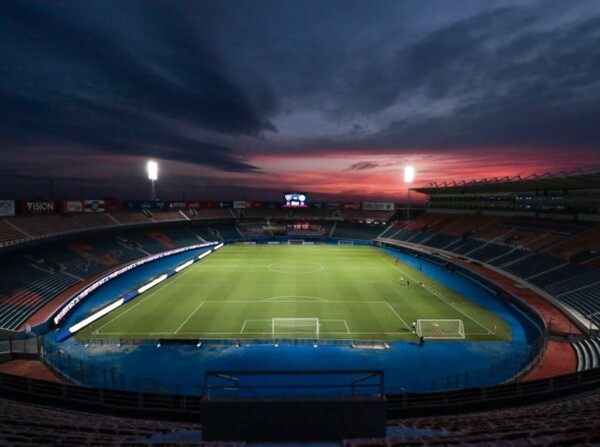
408	367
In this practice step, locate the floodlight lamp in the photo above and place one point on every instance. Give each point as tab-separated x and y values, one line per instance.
152	170
409	174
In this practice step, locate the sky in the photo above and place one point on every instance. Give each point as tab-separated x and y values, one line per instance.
248	99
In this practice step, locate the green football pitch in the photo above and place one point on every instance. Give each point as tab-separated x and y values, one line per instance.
288	291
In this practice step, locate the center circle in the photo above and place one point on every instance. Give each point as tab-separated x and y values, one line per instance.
296	268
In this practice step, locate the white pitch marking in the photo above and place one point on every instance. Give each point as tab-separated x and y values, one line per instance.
141	300
441	297
190	316
396	313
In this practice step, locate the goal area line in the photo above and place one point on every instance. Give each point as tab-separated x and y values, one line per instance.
325	326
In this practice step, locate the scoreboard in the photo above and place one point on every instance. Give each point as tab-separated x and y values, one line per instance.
295	200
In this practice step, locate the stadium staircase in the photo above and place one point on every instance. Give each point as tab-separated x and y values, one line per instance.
588	353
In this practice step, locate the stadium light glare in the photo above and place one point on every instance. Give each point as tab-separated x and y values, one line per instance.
152	170
152	167
409	174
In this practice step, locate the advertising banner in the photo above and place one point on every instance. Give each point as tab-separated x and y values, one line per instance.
378	206
94	206
239	204
351	206
143	205
72	206
113	205
39	206
7	207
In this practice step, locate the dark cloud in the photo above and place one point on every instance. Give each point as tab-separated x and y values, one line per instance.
220	84
363	166
502	78
70	77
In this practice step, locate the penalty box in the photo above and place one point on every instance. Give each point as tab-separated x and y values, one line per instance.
311	327
335	318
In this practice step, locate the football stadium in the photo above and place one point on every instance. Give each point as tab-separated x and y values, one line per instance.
471	320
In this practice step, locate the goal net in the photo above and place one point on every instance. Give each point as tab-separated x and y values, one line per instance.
345	242
295	242
295	327
440	329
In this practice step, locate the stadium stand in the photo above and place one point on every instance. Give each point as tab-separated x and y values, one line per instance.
25	287
215	213
168	216
9	233
353	215
130	217
568	421
558	256
585	241
520	247
84	259
47	225
221	232
508	258
344	230
256	230
149	241
528	415
29	281
25	424
586	301
534	264
488	252
565	272
180	237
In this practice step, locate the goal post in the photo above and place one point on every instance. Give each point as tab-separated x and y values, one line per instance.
443	329
346	242
295	242
295	327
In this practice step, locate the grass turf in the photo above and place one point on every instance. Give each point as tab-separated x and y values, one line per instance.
355	292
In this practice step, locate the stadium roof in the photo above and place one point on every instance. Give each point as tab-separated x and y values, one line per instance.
589	179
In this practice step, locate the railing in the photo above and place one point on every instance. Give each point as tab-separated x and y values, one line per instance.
165	406
516	393
256	384
20	346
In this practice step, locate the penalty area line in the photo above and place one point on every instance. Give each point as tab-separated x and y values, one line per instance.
396	313
190	316
442	298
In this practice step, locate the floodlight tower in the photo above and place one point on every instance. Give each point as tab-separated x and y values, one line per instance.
409	176
153	177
